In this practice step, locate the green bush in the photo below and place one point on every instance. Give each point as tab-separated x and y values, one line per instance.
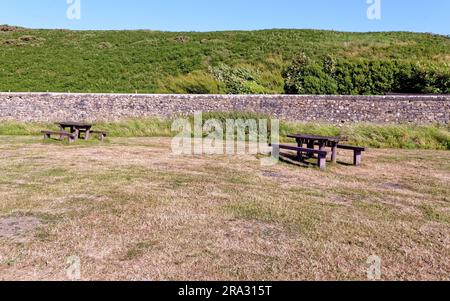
307	77
444	82
196	82
238	80
362	77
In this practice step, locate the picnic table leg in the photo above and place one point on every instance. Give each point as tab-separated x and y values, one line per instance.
334	153
63	129
310	146
274	154
299	154
322	162
357	158
86	135
321	146
76	133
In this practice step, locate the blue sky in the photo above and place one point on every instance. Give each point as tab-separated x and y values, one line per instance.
208	15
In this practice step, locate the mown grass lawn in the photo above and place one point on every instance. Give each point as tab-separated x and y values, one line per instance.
129	209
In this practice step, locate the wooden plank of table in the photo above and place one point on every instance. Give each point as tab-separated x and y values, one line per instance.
74	123
314	137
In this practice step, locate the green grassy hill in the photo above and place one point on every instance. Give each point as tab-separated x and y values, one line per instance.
184	62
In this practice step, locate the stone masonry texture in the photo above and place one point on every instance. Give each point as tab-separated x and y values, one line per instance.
52	107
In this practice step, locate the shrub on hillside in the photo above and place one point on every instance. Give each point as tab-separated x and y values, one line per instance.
197	82
307	77
237	80
362	77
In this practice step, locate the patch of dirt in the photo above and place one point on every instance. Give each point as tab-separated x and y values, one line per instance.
104	45
393	186
27	38
23	41
252	236
7	28
274	175
437	232
182	39
341	201
18	228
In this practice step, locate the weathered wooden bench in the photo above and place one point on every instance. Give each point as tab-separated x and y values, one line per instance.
101	134
357	152
48	134
321	155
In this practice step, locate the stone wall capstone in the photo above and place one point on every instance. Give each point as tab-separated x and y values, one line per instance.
51	107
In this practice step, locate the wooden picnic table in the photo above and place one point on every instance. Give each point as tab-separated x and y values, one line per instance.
321	141
76	128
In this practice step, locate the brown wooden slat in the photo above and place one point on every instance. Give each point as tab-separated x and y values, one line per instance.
315	137
300	149
350	147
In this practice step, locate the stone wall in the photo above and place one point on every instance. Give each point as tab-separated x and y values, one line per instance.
52	107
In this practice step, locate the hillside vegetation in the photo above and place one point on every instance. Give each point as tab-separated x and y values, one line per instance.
363	77
187	62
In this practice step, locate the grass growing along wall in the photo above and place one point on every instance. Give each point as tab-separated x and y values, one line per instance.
405	136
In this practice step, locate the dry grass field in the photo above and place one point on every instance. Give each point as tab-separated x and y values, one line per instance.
130	210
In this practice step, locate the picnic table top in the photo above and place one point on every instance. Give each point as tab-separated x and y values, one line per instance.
74	124
316	137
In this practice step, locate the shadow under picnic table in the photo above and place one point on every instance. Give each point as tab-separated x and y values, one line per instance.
291	158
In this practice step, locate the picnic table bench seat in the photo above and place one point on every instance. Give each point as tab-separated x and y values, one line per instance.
321	154
48	134
101	134
357	152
